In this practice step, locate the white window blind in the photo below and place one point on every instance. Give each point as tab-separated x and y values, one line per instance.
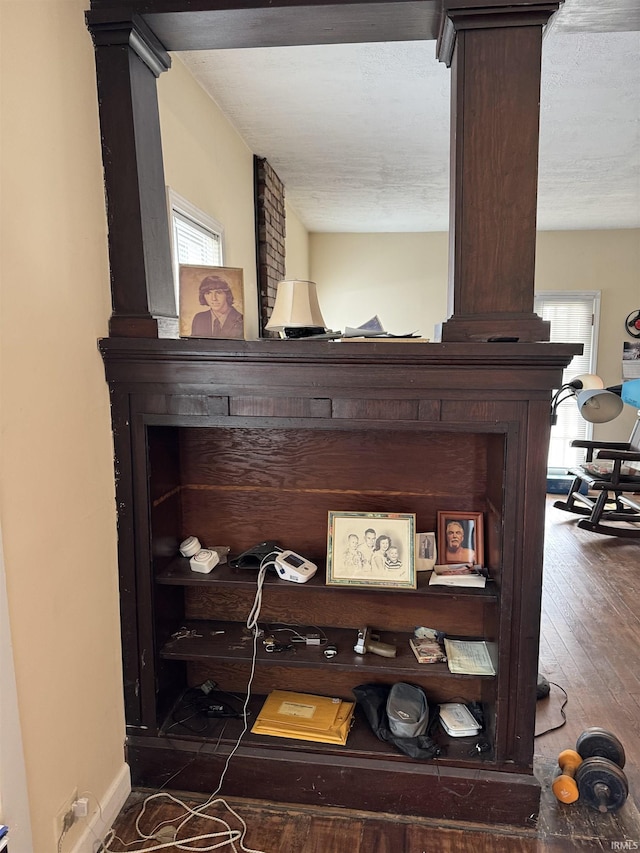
194	243
196	238
574	319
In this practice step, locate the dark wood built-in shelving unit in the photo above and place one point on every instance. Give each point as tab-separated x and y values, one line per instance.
243	442
240	442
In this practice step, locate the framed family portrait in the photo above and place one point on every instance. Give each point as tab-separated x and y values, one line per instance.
371	549
461	537
211	302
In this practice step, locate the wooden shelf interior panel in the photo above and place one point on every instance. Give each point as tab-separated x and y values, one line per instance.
228	594
280	485
345	608
241	486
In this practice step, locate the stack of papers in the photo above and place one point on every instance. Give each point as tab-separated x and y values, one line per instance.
373	328
458	574
304	716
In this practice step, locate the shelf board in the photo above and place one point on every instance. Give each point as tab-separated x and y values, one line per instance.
179	573
235	645
183	722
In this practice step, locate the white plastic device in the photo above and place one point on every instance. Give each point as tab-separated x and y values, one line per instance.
204	561
457	720
190	546
292	567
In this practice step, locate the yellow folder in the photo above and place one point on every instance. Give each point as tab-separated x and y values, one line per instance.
304	716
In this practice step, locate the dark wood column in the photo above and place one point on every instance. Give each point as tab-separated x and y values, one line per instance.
494	49
129	58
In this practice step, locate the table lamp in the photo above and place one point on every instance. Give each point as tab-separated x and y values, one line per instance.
296	312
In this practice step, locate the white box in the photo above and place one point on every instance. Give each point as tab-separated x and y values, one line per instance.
457	720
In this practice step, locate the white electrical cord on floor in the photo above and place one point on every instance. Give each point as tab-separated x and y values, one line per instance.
228	836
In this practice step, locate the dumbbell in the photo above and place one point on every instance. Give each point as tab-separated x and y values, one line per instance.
593	772
602	784
564	786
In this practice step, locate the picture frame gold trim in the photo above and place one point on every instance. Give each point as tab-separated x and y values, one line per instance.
356	558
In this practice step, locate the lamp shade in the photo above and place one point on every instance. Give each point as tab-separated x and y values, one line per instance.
296	306
631	393
598	406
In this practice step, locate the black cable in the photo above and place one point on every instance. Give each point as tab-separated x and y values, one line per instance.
213	704
562	713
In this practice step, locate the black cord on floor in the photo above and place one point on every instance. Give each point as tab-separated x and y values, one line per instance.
562	713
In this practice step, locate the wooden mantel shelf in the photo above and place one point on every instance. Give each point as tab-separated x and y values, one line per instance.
454	354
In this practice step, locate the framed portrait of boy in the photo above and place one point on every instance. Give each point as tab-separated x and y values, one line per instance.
460	538
375	549
211	302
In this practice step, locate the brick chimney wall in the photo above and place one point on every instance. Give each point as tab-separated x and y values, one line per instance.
270	234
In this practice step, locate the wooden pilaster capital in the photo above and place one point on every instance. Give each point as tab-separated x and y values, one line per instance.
458	15
131	32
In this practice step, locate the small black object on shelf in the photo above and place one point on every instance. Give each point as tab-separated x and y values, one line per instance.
303	331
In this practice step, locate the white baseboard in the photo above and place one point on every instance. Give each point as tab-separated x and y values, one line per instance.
102	818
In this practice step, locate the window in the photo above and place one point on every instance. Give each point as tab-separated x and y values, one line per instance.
574	319
196	238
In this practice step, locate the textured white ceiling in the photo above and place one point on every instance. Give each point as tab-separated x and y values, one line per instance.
359	134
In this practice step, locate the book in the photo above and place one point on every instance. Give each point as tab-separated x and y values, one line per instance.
469	657
427	650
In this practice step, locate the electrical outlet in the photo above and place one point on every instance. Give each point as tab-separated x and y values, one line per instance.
64	810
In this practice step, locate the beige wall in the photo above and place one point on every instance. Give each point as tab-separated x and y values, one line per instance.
608	261
403	279
296	247
209	164
57	507
400	277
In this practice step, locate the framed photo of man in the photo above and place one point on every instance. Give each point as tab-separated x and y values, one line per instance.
461	538
211	302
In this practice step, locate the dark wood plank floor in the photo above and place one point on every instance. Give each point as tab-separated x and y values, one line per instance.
590	648
590	642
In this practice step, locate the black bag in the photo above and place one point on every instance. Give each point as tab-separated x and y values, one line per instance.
253	557
372	698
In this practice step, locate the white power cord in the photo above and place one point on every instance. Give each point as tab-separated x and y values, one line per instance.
219	839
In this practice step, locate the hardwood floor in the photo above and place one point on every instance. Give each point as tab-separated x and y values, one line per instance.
590	637
589	649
